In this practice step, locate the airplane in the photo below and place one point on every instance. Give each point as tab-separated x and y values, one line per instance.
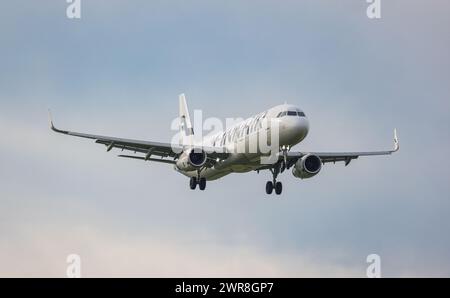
215	156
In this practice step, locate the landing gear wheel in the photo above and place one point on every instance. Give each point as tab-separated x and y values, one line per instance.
193	183
269	187
278	188
202	184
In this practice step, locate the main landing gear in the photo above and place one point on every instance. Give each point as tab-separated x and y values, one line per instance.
274	184
200	181
277	186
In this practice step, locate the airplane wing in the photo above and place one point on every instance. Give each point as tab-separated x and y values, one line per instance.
162	150
347	157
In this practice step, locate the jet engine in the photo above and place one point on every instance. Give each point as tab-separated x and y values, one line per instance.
307	166
191	160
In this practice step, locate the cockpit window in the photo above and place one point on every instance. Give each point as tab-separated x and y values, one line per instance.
291	113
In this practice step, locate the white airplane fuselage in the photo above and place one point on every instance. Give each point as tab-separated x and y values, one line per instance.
292	126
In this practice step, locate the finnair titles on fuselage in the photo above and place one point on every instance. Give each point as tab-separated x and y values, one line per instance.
261	142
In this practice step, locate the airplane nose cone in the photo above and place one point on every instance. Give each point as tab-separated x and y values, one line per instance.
294	129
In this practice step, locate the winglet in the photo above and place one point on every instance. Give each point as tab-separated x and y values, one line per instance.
396	144
52	127
50	119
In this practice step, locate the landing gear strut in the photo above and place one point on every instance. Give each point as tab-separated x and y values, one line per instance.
284	163
274	184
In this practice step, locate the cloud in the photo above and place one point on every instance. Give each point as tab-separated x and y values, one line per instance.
43	252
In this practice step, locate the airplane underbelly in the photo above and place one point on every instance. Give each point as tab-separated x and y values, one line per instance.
209	173
237	163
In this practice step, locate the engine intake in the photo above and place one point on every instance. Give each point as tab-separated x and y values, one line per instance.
191	160
197	159
307	166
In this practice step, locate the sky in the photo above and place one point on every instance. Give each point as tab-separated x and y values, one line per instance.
118	71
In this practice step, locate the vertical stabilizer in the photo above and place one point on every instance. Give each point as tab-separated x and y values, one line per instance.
186	129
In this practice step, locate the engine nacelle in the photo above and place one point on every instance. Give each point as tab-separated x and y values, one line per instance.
307	166
191	160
